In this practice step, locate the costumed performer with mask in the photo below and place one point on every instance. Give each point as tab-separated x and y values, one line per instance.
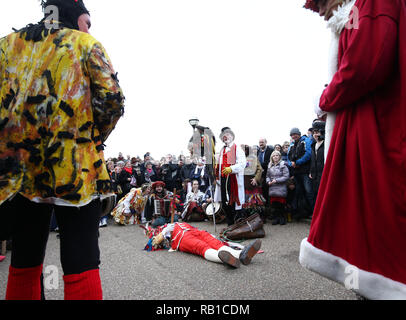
133	204
60	101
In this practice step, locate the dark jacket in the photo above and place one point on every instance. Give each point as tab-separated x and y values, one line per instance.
300	152
168	175
138	174
203	181
317	162
186	171
146	178
124	182
267	159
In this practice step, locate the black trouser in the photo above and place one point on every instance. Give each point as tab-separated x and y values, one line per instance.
229	211
29	222
265	191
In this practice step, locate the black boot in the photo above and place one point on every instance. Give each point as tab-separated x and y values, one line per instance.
282	219
262	214
276	218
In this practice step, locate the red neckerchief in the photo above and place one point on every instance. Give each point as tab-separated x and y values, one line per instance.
129	170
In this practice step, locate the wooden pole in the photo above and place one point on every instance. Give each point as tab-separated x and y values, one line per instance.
173	206
3	248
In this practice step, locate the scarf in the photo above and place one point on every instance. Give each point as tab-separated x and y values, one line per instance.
336	24
129	170
200	168
229	159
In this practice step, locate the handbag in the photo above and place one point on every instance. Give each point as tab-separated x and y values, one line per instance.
248	228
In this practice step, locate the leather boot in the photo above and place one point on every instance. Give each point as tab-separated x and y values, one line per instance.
276	219
250	251
229	259
282	216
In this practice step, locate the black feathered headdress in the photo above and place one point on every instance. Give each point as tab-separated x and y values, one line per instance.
69	11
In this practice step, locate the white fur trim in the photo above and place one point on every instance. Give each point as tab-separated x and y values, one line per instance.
340	17
320	113
370	285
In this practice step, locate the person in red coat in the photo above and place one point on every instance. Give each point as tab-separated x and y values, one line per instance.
358	232
186	238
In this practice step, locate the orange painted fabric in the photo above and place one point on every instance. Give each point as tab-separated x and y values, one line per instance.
60	100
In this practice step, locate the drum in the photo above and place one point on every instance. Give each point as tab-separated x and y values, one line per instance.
216	210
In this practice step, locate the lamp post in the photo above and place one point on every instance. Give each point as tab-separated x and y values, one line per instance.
194	122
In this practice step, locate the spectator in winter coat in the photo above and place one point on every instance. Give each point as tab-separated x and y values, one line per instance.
187	169
284	152
299	155
149	173
253	173
264	152
276	177
124	178
169	172
201	174
317	158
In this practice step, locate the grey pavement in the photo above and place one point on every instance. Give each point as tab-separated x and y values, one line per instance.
130	273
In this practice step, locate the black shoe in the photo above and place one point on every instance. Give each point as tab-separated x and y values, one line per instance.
282	221
249	252
275	221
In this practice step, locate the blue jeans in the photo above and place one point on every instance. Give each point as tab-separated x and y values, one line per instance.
304	187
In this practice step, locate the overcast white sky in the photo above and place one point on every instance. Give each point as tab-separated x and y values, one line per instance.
253	65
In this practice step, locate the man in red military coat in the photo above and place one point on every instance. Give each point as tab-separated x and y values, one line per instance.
186	238
358	231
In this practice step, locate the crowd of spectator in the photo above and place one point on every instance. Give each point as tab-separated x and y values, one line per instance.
287	175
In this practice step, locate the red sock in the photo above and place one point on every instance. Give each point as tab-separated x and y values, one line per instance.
24	283
83	286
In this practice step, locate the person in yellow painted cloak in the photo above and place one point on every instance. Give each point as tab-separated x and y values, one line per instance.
133	203
60	100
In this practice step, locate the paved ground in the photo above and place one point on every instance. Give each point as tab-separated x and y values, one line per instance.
129	273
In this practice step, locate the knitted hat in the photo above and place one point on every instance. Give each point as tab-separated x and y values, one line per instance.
295	131
319	125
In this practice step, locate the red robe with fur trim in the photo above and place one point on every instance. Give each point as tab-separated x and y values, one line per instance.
360	215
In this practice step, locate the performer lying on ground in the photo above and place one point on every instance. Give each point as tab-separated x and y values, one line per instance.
132	204
183	237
